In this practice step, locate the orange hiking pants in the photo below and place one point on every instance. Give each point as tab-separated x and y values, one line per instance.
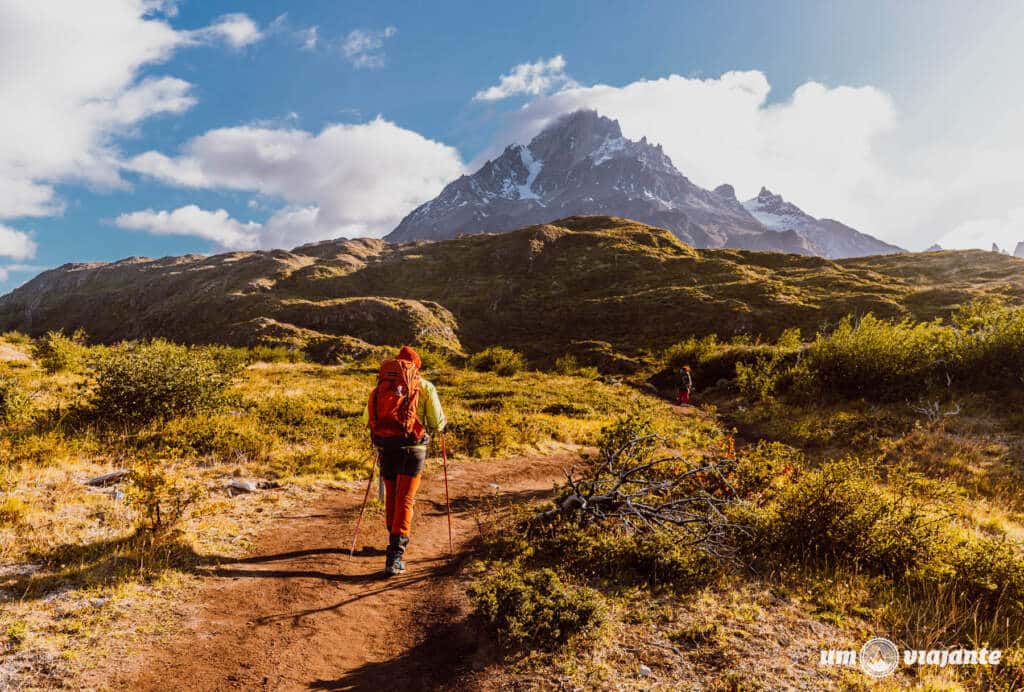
401	470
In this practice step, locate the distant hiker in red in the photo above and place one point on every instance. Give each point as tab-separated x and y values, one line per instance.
685	385
402	413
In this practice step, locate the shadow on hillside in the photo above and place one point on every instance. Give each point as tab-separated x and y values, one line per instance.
445	654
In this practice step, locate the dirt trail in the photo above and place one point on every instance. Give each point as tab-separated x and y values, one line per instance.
299	614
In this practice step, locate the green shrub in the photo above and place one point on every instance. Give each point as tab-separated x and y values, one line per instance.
12	511
487	434
839	514
991	345
15	405
17	338
433	360
770	371
570	365
535	609
990	571
880	360
499	360
56	352
140	382
712	360
276	354
625	559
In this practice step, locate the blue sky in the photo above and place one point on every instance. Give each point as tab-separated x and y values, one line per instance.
151	128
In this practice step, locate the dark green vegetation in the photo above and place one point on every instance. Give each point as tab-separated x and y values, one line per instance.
621	287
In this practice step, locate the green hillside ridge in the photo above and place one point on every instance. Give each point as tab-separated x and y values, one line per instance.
538	289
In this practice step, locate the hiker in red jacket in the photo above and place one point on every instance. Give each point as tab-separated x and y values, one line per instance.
402	413
685	385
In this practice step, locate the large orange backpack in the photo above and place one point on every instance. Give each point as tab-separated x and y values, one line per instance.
393	404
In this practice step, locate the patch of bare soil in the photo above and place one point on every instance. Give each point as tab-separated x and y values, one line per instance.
299	613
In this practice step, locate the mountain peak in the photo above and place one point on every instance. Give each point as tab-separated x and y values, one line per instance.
828	237
574	136
770	203
582	164
584	122
727	191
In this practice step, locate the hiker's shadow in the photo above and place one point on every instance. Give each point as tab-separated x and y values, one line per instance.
445	654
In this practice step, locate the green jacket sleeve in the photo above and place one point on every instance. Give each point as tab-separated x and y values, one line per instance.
429	409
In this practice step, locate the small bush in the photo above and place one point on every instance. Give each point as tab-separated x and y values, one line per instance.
56	352
487	434
839	514
655	559
160	495
570	366
770	371
140	382
276	354
990	571
15	405
12	511
433	360
499	360
880	360
535	609
17	338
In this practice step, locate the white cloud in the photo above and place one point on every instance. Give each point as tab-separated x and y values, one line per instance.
70	85
841	152
363	47
532	79
310	36
236	29
16	244
190	220
347	180
814	148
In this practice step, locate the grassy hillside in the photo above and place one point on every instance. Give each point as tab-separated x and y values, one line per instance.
862	493
538	289
864	470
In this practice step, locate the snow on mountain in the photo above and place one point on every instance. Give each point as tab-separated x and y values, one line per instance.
582	164
827	237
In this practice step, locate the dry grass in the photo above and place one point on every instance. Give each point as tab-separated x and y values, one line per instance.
79	581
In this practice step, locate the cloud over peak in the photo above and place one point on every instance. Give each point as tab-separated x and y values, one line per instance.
531	79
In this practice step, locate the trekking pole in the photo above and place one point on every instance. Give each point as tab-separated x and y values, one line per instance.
366	497
447	499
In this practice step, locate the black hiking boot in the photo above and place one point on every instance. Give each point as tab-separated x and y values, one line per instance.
393	564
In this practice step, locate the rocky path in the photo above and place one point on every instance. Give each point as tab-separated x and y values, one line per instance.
300	614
